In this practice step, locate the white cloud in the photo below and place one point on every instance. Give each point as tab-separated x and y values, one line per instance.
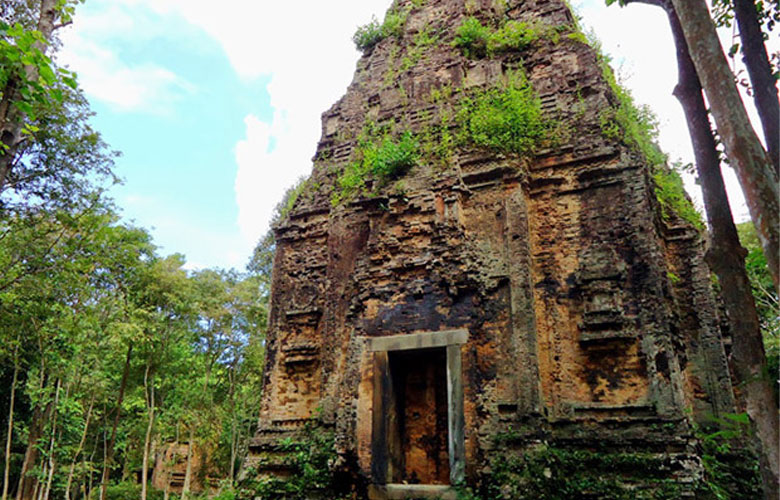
103	75
306	48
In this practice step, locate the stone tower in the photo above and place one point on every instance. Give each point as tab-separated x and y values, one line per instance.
481	299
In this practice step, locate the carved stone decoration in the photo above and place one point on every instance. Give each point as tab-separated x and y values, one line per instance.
601	282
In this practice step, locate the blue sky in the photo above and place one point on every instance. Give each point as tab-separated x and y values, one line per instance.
216	109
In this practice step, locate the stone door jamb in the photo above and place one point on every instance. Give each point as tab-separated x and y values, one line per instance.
451	340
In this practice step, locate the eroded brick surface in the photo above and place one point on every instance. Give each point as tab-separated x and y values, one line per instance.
558	265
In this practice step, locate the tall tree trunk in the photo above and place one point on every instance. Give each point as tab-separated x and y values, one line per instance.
52	462
754	168
12	118
761	78
727	258
233	449
185	491
149	388
88	480
109	453
10	432
27	485
80	447
233	423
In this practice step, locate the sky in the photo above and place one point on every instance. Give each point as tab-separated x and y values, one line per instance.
216	108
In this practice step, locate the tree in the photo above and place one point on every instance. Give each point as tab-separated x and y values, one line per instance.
750	16
750	161
28	77
767	302
726	256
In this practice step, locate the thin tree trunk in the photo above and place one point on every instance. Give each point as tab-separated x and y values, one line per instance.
102	492
10	432
233	423
761	76
233	449
109	453
752	164
147	440
185	491
27	485
11	120
80	447
727	258
88	480
52	462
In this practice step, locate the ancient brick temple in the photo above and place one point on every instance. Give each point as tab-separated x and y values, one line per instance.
543	297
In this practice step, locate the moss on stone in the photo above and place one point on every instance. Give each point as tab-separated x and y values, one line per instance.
563	473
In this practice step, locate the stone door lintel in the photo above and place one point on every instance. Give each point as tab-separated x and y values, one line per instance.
424	340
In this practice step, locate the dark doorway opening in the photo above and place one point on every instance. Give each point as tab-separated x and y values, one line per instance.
417	433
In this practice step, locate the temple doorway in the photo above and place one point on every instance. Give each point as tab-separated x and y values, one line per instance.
417	440
418	430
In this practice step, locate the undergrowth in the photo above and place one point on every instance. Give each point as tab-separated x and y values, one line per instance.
731	471
561	474
310	457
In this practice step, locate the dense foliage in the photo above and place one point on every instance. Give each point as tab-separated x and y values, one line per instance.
108	350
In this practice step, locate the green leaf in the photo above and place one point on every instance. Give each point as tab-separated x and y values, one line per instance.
47	74
24	107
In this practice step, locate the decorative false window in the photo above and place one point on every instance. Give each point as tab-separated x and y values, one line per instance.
600	280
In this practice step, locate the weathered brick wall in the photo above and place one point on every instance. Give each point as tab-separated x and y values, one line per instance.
558	265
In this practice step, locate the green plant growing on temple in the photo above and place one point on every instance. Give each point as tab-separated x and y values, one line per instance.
507	117
561	473
310	456
637	127
368	35
476	40
472	38
379	156
670	192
